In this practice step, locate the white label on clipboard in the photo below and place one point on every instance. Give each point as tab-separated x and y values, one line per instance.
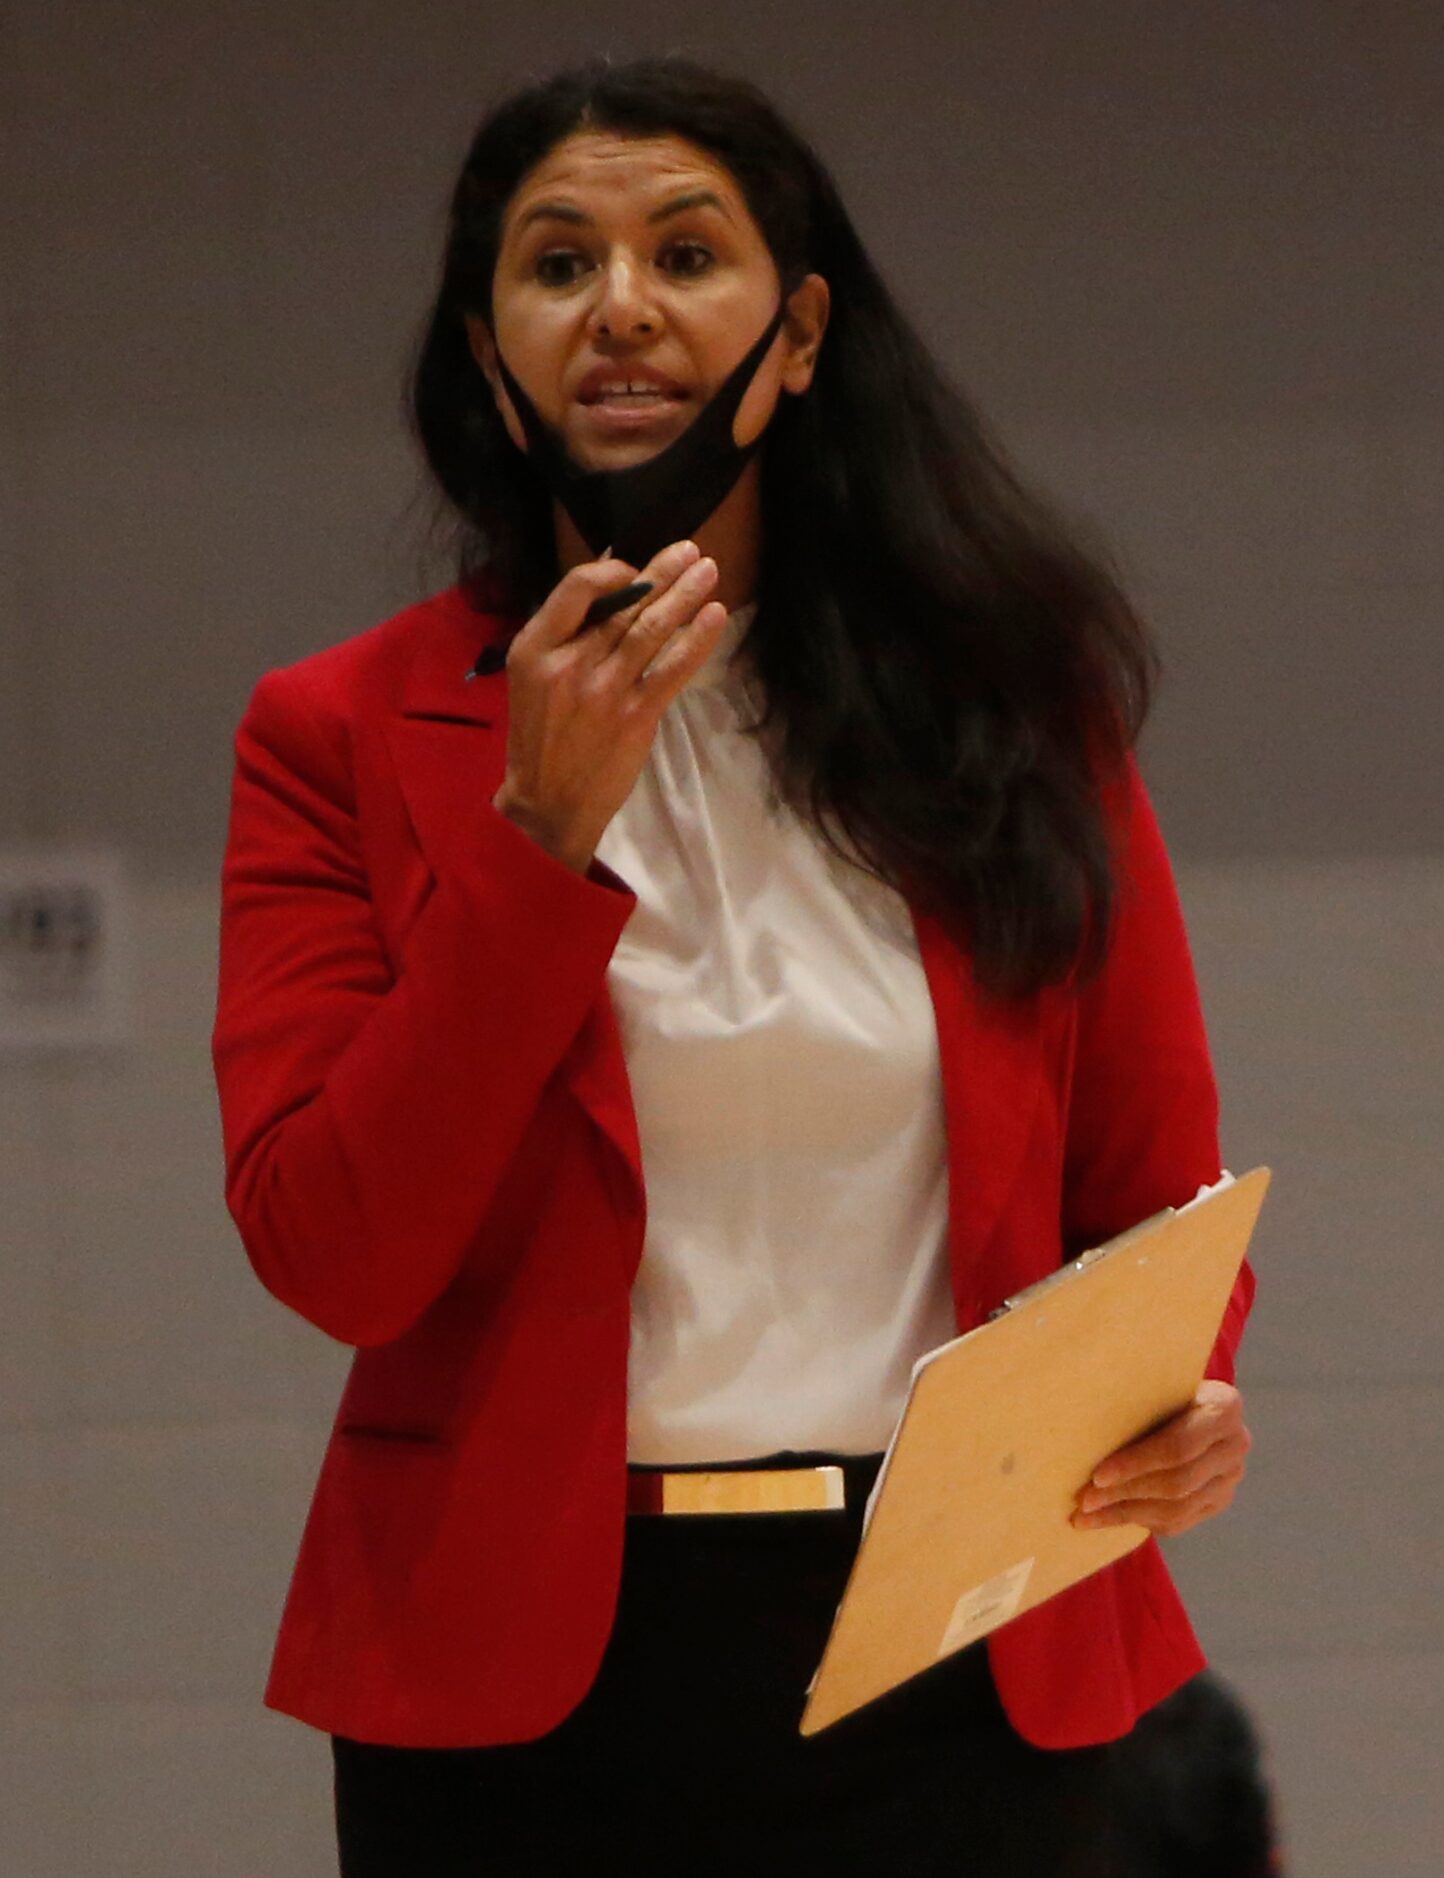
985	1607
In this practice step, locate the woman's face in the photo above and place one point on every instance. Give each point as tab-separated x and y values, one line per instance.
620	251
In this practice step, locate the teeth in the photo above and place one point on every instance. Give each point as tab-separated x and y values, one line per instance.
631	391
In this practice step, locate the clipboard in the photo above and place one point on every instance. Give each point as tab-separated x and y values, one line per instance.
967	1525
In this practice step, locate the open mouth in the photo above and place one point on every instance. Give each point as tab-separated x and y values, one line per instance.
631	410
632	400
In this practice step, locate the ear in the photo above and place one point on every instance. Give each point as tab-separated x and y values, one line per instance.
806	321
483	348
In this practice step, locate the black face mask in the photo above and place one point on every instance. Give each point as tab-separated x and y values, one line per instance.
638	510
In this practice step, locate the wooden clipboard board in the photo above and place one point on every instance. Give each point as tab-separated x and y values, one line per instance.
968	1524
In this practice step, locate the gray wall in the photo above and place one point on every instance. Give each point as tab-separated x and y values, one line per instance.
1186	260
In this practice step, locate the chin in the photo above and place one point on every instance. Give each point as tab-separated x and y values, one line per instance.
607	453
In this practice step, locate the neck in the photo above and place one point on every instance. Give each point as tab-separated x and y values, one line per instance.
731	535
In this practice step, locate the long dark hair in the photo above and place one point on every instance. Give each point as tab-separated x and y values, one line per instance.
955	674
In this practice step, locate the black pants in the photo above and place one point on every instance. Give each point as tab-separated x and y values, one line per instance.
684	1756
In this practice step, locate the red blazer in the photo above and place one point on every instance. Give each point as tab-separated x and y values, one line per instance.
431	1154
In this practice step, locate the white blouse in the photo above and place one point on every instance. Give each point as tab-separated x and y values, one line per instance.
782	1049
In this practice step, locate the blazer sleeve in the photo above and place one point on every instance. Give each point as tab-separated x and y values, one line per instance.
368	1114
1143	1108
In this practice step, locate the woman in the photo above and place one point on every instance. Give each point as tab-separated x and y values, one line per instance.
819	878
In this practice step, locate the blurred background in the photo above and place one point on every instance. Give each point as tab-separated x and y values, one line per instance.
1186	260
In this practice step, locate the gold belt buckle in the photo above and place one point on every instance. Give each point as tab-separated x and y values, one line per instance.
754	1490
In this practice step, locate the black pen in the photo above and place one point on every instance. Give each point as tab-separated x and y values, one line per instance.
493	658
614	602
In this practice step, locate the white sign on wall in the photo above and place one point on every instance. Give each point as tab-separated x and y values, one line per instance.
65	948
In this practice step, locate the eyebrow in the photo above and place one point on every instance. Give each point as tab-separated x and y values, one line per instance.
564	211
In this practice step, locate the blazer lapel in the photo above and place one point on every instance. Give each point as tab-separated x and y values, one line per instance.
448	738
993	1065
448	743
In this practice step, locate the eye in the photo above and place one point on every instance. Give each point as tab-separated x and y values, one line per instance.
691	247
556	254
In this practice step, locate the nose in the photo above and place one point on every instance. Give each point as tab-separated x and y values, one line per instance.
623	304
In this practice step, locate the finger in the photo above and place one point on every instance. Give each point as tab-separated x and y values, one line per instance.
1164	1517
663	569
1224	1459
664	614
561	615
688	649
1182	1439
1181	1442
611	603
619	610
